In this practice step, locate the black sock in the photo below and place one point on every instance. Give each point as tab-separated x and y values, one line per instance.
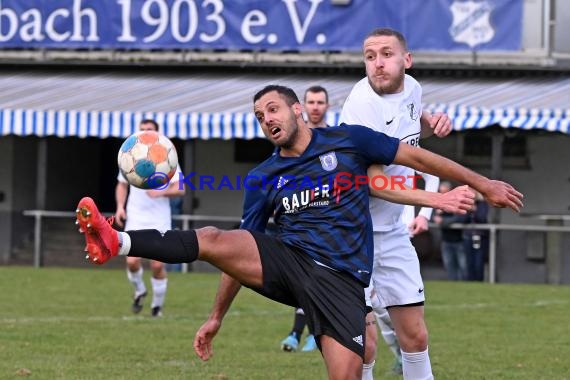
172	248
299	325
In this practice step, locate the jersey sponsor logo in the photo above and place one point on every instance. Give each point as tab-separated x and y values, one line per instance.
413	139
359	340
315	197
328	161
471	22
390	122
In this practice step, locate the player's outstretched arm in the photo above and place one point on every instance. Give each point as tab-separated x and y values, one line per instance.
458	201
227	291
497	193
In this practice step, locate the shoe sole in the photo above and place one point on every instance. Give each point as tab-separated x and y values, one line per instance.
84	213
137	304
287	348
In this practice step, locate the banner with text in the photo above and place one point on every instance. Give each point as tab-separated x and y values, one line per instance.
274	25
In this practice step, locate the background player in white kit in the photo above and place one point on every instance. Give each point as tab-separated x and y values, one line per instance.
389	101
416	225
146	209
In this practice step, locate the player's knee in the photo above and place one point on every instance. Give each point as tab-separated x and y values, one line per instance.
133	263
208	235
414	341
350	370
156	267
422	340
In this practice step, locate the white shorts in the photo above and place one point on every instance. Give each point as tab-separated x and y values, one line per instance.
396	276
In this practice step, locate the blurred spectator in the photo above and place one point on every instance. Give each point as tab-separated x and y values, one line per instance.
176	209
452	249
476	242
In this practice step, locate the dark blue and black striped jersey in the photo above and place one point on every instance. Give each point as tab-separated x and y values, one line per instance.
318	201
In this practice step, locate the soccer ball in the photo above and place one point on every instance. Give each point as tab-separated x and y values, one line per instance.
148	160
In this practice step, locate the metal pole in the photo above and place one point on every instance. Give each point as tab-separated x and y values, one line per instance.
492	254
41	191
548	20
38	240
185	227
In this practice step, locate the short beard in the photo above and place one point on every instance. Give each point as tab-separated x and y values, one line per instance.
391	88
288	144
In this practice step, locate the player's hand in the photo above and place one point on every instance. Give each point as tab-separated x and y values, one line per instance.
441	124
501	194
203	339
460	200
418	225
120	217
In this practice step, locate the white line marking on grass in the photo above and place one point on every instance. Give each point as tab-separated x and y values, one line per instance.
63	319
239	313
539	303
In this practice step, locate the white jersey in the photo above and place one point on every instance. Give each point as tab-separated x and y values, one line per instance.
144	212
397	115
409	213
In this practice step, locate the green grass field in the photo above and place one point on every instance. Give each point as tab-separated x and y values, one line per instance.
76	324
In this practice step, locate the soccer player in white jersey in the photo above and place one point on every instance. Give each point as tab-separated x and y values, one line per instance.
389	101
416	225
146	209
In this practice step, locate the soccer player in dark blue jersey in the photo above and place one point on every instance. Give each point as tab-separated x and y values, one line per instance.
316	105
321	258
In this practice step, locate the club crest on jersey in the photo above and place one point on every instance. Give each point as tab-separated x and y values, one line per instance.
471	22
413	111
328	161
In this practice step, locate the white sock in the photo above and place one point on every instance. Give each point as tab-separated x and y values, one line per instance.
124	243
387	330
136	278
416	365
158	291
368	371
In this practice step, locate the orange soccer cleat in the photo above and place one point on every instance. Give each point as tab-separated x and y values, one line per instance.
102	240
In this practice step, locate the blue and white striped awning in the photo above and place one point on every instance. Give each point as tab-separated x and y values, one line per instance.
121	124
103	124
218	105
554	120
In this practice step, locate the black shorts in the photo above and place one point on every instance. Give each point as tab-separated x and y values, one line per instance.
333	301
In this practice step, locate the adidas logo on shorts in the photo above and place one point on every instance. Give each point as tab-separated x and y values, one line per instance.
358	339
